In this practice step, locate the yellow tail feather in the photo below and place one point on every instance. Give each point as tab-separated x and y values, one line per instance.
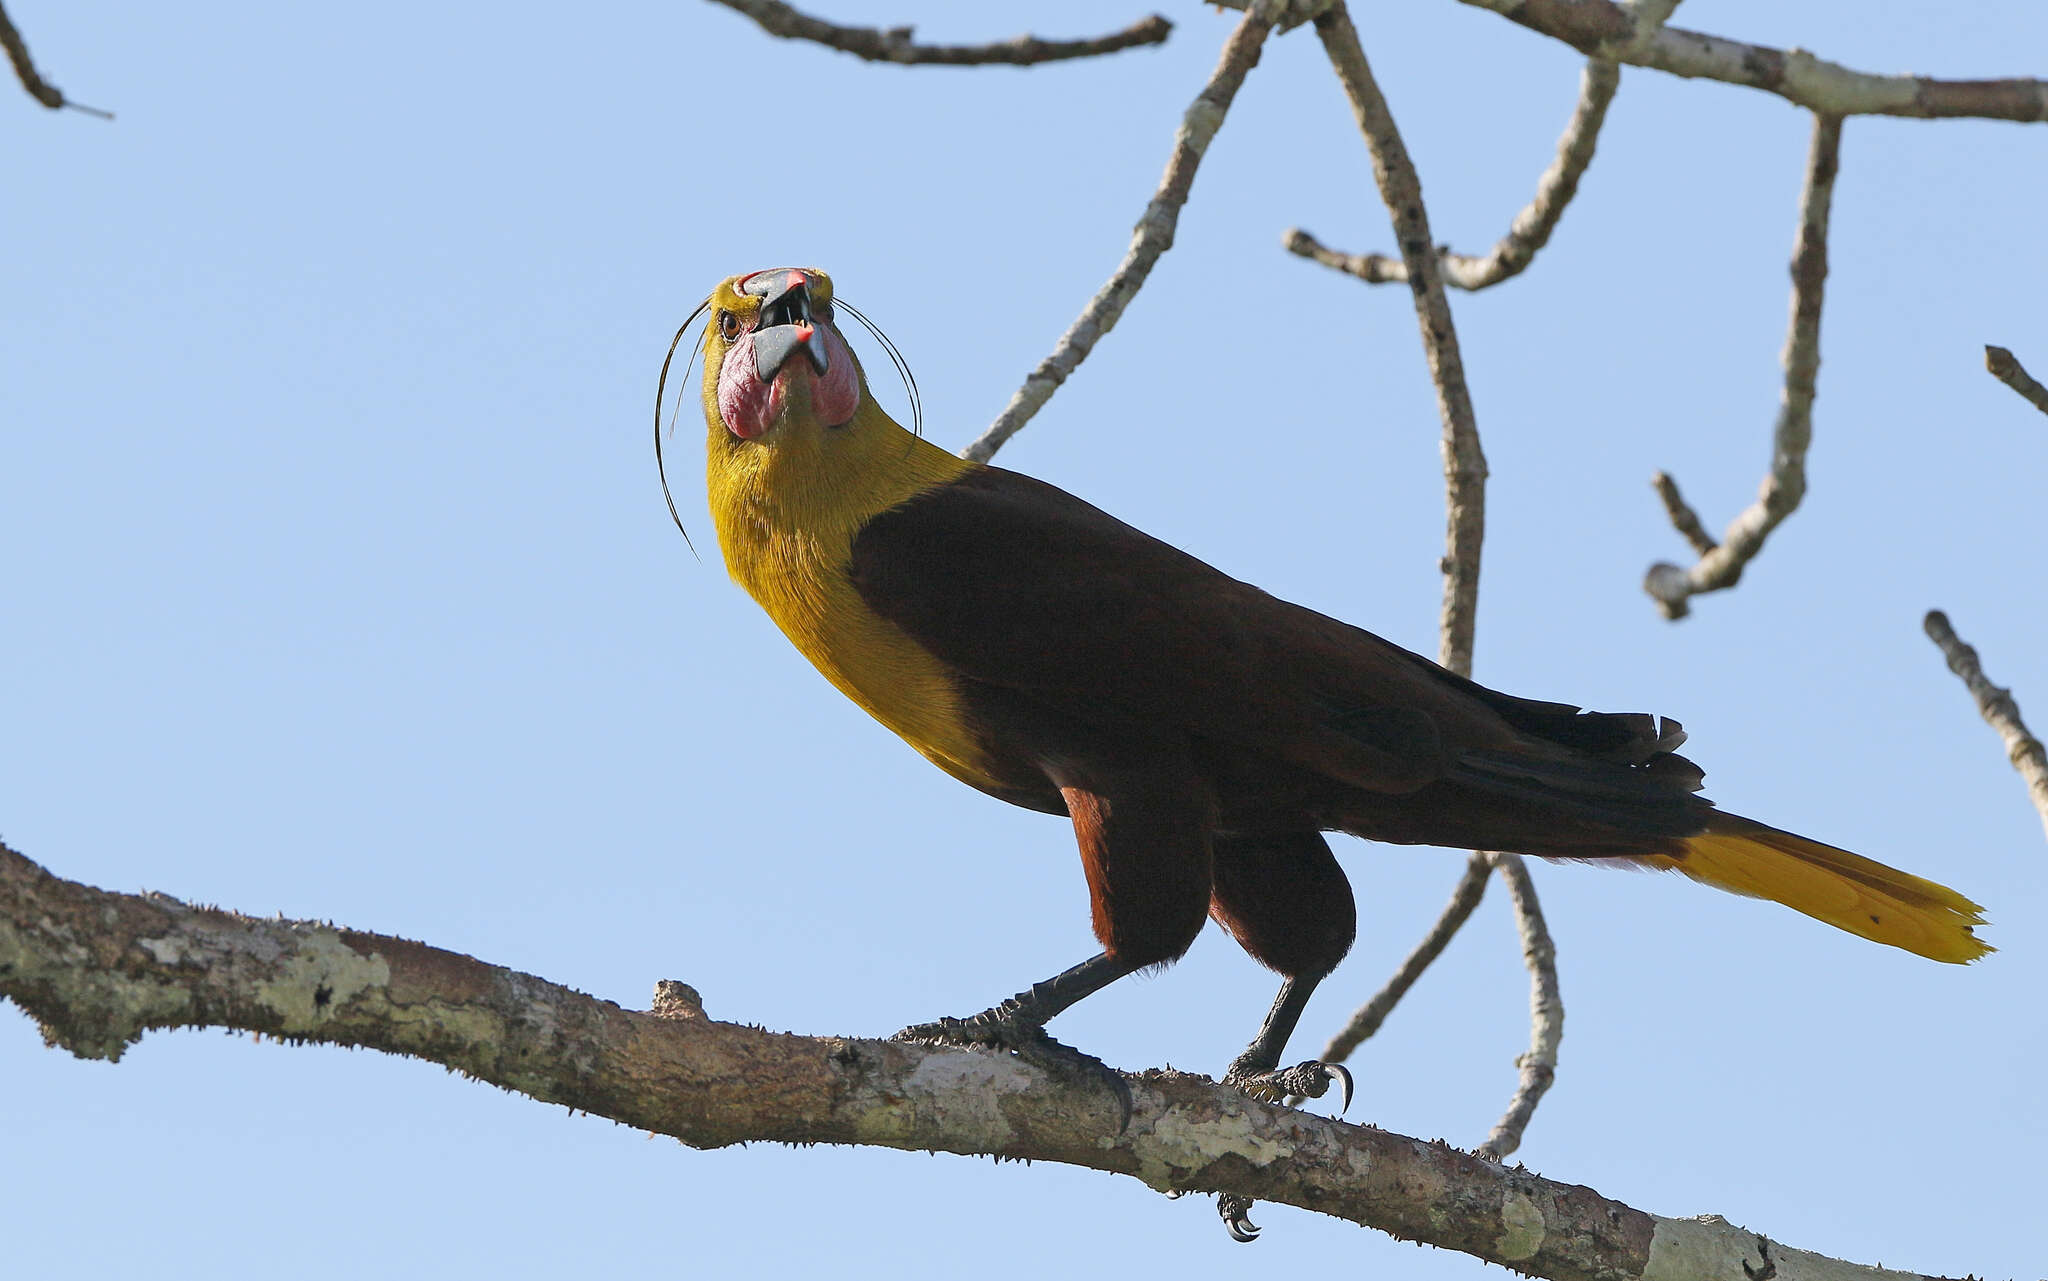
1846	890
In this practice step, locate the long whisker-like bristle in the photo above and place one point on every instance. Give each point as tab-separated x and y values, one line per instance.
895	358
661	395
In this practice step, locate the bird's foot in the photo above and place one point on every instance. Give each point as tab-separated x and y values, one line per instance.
1310	1080
1002	1028
1234	1208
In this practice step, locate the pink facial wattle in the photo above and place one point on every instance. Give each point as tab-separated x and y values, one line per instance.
750	407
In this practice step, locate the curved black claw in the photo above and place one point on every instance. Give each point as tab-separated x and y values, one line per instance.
1340	1074
1234	1208
1030	1042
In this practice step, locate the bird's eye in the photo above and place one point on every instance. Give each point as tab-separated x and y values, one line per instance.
728	326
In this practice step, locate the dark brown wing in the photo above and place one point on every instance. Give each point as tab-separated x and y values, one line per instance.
1018	584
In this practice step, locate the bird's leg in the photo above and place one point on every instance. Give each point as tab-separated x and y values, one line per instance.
1018	1025
1257	1072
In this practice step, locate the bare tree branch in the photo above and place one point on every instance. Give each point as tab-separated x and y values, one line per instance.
1649	16
31	79
1531	228
1998	709
2006	368
1152	236
894	44
1683	518
1367	1018
1464	460
1721	567
1465	499
1823	87
97	970
1537	1068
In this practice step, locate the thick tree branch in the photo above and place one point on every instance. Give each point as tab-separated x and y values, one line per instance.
31	79
1998	709
894	44
1823	87
1721	566
1531	228
2006	368
97	970
1152	236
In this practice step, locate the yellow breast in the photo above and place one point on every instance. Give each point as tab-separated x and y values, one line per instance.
787	512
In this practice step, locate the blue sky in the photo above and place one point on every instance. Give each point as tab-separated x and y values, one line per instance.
341	586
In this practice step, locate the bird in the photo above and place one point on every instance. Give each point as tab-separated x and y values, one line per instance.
1201	735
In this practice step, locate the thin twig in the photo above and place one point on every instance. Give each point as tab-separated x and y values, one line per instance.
2006	368
1366	1019
1538	1068
1152	236
1464	461
1683	518
31	79
894	44
1649	16
1531	228
1998	709
1823	87
1465	496
1673	587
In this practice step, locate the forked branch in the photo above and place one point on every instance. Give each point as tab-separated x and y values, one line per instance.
1823	87
1720	565
1531	228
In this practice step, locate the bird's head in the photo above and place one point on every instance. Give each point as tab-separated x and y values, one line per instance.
792	423
775	363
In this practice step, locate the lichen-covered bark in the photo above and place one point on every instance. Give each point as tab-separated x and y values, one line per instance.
99	969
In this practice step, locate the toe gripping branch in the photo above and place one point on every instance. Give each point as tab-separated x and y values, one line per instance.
1018	1026
1310	1080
